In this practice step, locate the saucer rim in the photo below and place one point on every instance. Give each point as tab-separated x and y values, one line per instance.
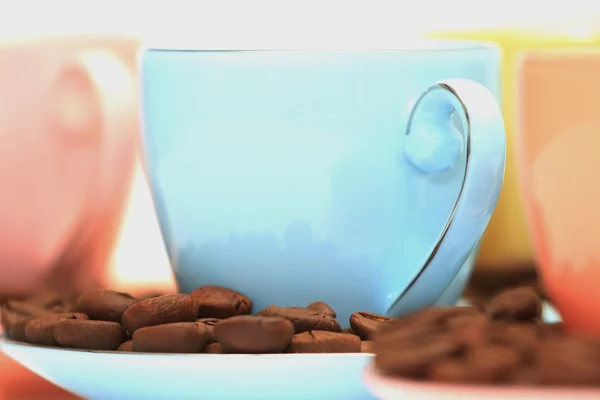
5	340
374	380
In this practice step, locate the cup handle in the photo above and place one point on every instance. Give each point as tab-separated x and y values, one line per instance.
484	141
94	106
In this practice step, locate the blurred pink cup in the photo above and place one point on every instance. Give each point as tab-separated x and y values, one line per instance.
68	131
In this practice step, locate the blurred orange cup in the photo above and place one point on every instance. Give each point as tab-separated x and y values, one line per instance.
558	142
68	129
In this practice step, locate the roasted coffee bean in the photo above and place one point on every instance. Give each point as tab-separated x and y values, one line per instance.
365	324
90	335
54	301
366	346
322	307
451	371
160	310
210	327
471	330
448	314
149	295
26	308
41	330
522	337
13	324
325	342
254	334
414	357
402	332
126	346
104	305
178	337
525	375
547	330
569	361
303	318
14	315
522	304
492	363
213	348
429	319
468	320
218	302
348	330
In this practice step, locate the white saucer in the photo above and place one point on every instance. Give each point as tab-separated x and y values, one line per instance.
131	376
145	376
394	389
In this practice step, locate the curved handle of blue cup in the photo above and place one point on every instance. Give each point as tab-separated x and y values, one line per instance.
484	140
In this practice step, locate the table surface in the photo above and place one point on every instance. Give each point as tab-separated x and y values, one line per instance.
18	383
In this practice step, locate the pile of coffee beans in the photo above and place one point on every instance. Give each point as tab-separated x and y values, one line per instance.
209	320
502	342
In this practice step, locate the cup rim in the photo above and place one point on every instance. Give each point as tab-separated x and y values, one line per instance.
401	45
562	59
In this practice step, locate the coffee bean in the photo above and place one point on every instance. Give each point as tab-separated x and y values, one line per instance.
449	314
54	301
126	346
150	295
213	348
471	330
104	305
569	361
521	337
303	318
26	308
90	335
41	330
324	342
451	371
160	310
322	307
525	375
492	363
14	315
348	330
547	330
218	302
365	324
210	327
254	334
366	346
414	357
178	337
429	319
404	333
522	304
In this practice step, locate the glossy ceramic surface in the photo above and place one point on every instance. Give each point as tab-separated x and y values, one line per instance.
113	375
68	130
394	389
300	175
558	140
507	242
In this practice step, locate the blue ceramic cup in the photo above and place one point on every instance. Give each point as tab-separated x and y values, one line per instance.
364	179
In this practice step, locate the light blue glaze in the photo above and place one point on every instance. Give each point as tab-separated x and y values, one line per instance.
289	175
